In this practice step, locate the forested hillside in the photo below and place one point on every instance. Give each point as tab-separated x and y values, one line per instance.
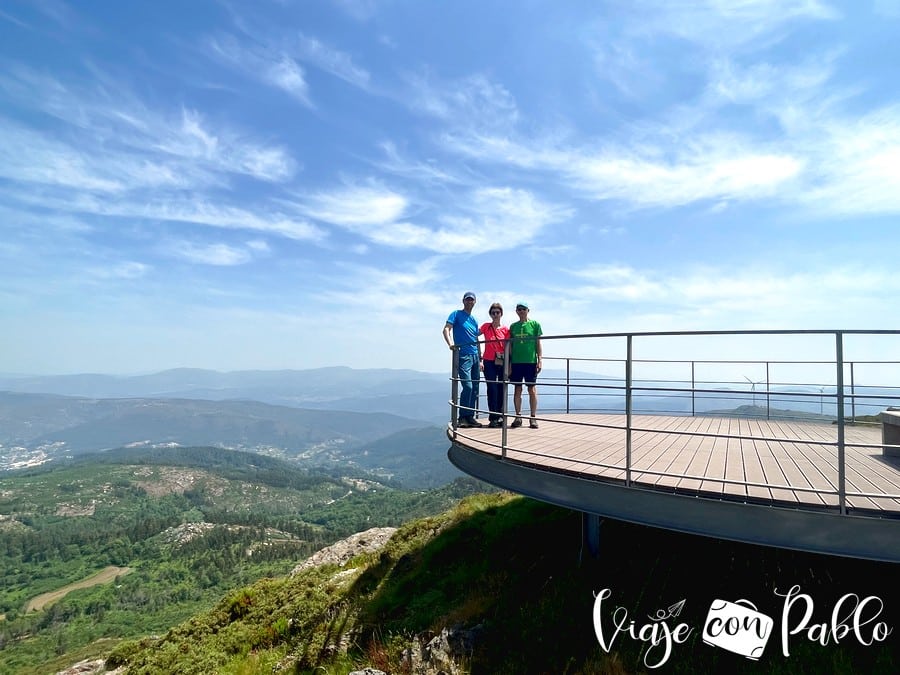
175	528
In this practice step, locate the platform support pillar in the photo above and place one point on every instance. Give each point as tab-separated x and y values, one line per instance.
590	534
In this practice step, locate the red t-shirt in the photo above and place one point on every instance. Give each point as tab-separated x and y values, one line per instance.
495	341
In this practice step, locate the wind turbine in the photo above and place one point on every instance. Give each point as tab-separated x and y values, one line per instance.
753	388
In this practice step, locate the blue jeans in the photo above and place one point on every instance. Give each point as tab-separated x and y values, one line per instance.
493	376
469	374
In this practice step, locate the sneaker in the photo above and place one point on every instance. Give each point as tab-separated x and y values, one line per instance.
533	423
475	423
464	423
496	424
516	423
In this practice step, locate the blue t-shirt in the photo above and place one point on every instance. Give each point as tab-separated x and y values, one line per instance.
465	331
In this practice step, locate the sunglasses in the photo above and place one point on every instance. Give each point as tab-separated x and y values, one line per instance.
521	309
495	311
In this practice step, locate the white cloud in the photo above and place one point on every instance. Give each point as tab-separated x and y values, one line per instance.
356	208
649	175
124	270
761	293
167	207
210	254
289	76
473	102
121	143
488	219
721	24
331	60
856	171
715	169
270	65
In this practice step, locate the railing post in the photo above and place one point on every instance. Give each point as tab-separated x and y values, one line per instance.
839	358
852	395
768	389
628	393
568	376
454	388
693	390
506	367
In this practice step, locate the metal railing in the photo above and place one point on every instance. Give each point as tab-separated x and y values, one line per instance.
850	401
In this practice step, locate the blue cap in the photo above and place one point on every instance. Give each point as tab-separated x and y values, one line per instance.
469	294
522	303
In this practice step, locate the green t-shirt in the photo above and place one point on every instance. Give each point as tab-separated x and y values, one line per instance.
523	342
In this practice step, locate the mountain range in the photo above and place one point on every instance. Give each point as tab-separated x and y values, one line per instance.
407	393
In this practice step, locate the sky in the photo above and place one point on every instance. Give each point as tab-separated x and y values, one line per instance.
306	183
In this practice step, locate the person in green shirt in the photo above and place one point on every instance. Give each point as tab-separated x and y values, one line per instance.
525	362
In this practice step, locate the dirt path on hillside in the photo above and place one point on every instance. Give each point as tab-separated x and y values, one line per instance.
102	577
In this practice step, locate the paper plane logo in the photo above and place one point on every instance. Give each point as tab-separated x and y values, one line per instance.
737	627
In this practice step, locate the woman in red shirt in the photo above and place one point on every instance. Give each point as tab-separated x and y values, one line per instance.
495	337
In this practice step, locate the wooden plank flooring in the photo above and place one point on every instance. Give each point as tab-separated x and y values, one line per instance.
785	459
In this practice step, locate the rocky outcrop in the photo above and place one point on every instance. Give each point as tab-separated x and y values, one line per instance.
340	552
447	653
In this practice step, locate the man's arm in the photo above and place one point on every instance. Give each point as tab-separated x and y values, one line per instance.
448	329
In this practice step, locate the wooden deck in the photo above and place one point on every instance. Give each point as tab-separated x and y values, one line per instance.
775	462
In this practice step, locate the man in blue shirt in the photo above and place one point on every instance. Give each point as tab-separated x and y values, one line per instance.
464	329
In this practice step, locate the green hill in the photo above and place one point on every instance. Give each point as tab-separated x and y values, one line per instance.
189	525
495	586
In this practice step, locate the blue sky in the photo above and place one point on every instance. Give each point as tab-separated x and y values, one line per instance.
294	184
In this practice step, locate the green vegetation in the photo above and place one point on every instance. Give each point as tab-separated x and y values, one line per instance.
508	568
191	524
210	591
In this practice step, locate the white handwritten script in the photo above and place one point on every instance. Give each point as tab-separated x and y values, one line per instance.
851	616
658	633
737	627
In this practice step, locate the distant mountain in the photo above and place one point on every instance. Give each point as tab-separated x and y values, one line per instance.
408	393
414	457
57	425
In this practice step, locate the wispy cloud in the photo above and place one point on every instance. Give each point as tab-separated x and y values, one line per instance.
272	66
473	102
716	166
716	292
135	141
331	60
211	254
129	269
429	172
487	219
856	171
356	208
199	210
720	24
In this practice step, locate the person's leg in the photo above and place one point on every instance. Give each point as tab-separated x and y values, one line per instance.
476	378
533	397
516	378
492	376
466	401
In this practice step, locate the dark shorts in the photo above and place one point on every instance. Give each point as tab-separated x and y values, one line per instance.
527	372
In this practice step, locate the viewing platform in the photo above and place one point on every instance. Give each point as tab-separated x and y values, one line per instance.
779	460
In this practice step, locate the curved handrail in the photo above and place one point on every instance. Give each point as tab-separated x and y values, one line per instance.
630	390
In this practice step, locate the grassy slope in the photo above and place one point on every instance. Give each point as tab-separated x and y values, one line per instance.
511	566
125	501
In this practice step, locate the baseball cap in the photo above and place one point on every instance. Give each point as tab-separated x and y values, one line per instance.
522	303
469	294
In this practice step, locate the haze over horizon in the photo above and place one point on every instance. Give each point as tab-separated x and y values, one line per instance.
316	183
